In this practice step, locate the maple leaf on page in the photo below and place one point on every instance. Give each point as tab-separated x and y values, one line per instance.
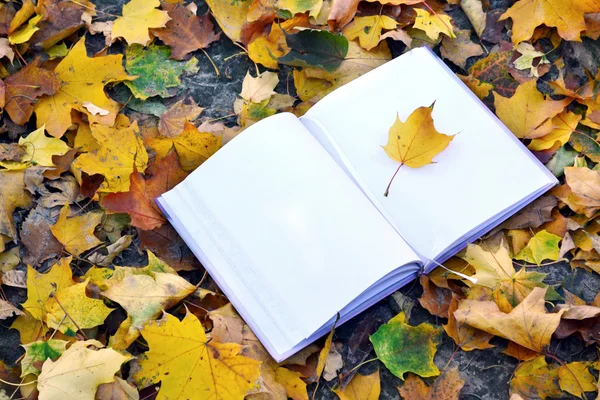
415	142
566	16
186	32
404	348
138	17
527	324
447	386
187	364
83	80
27	84
79	371
361	387
139	202
528	113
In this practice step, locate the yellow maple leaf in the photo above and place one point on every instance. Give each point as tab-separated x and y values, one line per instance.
39	148
434	24
192	146
79	371
71	310
543	246
361	387
368	29
188	365
301	6
576	379
30	329
528	324
83	80
40	287
12	196
528	114
76	233
415	142
566	16
563	126
138	17
230	15
114	159
535	379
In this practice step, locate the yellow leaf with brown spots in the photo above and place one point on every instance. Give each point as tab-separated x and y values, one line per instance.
76	233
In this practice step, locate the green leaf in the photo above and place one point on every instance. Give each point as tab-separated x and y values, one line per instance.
543	246
314	48
585	141
564	157
156	73
405	348
38	352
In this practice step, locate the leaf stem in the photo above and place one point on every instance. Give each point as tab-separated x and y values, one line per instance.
387	190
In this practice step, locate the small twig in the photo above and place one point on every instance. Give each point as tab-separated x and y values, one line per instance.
67	314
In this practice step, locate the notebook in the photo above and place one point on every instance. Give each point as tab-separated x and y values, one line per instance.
290	220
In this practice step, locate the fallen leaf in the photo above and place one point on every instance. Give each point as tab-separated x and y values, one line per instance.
535	379
566	17
301	6
527	324
292	383
117	390
434	24
415	142
156	74
26	85
77	233
542	246
25	33
528	114
447	386
494	70
12	196
404	348
314	48
474	11
460	49
169	246
192	146
341	13
7	310
187	363
6	50
259	88
434	299
83	79
575	378
361	387
230	15
145	293
228	326
112	251
39	149
11	152
61	19
139	201
465	336
115	160
138	17
527	58
39	351
563	126
324	354
15	278
37	238
172	121
368	29
79	371
41	287
584	184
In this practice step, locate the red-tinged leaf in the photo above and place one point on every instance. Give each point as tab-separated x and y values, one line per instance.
494	69
61	19
23	87
139	202
186	32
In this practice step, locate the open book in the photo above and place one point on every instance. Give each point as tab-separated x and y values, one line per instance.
290	220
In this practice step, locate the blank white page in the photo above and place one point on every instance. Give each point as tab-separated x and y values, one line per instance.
484	171
278	220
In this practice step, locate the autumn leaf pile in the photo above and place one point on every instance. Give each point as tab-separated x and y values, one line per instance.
81	165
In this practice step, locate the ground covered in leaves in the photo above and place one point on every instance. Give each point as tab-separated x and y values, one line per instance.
108	104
